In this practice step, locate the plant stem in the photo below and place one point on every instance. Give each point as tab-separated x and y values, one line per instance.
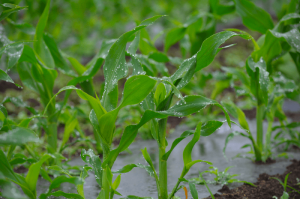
259	126
105	183
163	177
51	131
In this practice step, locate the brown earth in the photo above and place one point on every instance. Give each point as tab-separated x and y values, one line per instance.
266	187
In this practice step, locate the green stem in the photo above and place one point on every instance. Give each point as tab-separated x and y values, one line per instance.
163	177
30	151
259	126
105	182
51	131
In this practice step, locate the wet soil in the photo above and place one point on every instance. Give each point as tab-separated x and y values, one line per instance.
7	85
266	187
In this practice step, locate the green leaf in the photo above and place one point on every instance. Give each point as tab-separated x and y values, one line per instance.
59	61
41	49
34	171
237	113
141	83
292	37
14	8
285	195
5	77
23	27
159	57
253	17
129	167
69	128
259	79
173	36
187	152
149	161
62	179
61	193
210	48
134	44
95	163
189	105
176	142
160	94
221	9
103	52
115	66
193	190
230	137
14	51
210	127
18	136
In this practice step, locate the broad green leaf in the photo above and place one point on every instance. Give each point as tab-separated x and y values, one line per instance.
221	9
253	17
187	152
210	127
14	8
95	163
159	57
61	193
193	190
144	85
173	36
141	83
34	171
270	49
14	51
62	179
160	94
5	77
95	103
41	49
18	136
137	67
292	37
59	61
189	105
7	171
210	47
129	167
134	44
115	66
28	55
258	77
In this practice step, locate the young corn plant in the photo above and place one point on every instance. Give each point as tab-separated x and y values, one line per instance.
157	106
285	194
261	83
222	177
